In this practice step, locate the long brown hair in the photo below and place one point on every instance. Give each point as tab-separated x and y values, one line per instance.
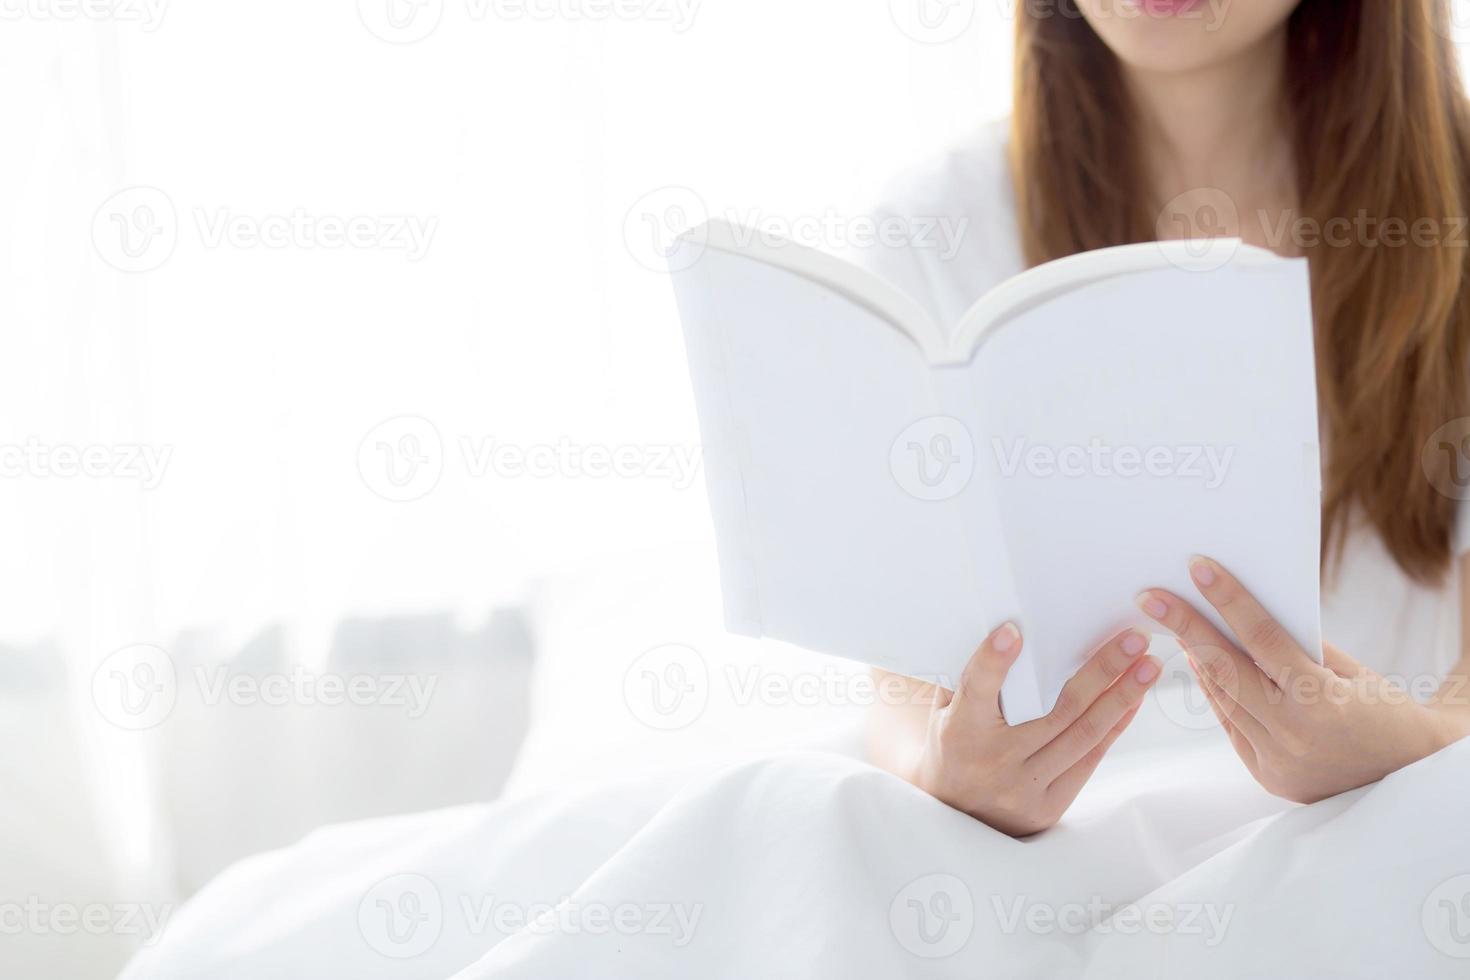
1374	98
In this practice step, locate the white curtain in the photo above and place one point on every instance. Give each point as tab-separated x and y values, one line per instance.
261	261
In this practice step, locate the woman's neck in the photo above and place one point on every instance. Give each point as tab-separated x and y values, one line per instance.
1220	129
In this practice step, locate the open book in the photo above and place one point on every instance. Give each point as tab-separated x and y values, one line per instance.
889	489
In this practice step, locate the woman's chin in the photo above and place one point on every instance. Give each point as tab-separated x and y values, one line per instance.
1173	36
1167	53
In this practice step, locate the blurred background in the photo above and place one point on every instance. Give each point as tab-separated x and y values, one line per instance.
348	463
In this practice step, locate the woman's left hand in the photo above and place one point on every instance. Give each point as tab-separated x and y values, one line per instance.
1305	730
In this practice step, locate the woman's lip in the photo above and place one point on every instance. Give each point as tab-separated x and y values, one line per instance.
1165	8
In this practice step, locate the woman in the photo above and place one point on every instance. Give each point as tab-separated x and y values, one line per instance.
1326	128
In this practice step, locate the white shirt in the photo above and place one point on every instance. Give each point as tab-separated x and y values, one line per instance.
960	209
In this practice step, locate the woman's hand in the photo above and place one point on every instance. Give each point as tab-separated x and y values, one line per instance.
1021	779
1305	730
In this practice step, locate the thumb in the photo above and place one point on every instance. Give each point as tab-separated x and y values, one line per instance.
978	693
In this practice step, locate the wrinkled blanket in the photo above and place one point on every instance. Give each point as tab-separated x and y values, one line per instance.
1171	864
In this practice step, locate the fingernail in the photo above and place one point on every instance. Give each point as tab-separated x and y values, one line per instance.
1146	671
1152	605
1006	637
1201	572
1134	644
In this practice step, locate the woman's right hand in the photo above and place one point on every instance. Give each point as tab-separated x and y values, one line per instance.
1021	779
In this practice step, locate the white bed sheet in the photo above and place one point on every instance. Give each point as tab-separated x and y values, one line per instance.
1172	863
